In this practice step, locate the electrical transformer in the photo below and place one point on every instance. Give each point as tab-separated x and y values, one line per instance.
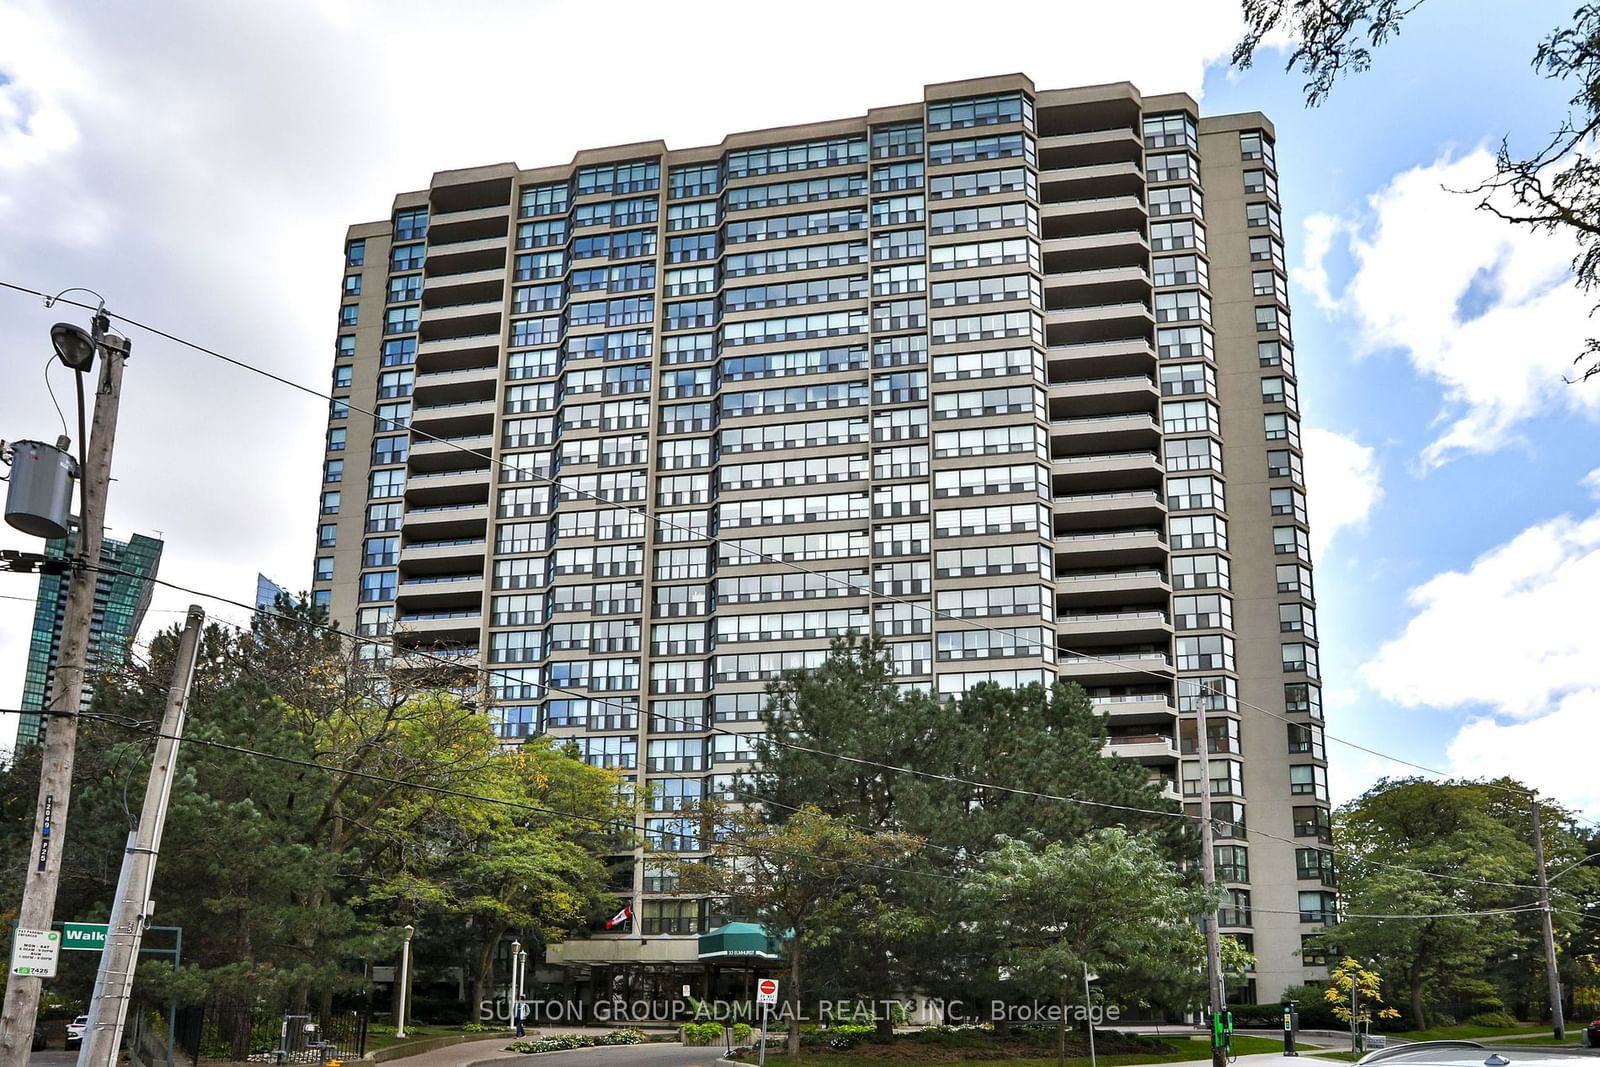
39	499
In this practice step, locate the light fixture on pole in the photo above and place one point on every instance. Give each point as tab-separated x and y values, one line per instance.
516	980
405	983
74	345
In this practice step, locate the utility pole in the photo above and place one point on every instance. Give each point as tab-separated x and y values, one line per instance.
37	910
1208	877
1557	1022
108	1010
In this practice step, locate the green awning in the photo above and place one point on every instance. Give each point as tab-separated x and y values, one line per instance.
747	940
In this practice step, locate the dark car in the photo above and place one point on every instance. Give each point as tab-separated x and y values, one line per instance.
1591	1034
41	1037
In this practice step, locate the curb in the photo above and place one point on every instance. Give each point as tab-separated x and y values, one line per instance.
429	1044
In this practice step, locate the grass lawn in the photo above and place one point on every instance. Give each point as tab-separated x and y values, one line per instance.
1347	1056
1193	1048
421	1032
1543	1037
1469	1032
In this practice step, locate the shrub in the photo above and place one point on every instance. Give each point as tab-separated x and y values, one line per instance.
628	1035
480	1028
700	1033
1498	1019
741	1033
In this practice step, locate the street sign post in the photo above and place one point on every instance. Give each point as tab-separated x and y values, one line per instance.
766	996
34	952
84	937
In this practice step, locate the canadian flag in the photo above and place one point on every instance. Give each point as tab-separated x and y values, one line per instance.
620	917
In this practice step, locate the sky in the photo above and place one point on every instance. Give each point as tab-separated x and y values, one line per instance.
197	164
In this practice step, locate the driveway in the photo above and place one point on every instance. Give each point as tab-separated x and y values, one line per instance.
53	1057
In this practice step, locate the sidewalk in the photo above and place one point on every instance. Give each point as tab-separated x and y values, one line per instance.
488	1048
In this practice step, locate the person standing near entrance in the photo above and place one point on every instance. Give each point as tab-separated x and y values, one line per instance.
519	1013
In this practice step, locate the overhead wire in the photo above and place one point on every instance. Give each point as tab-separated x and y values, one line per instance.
490	671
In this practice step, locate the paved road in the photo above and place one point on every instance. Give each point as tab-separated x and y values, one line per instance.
663	1054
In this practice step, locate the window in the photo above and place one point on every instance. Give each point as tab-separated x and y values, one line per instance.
902	140
1210	612
330	503
1281	426
1184	342
1290	502
1185	233
1004	146
1254	144
411	225
1308	780
1298	656
348	314
803	156
355	253
1306	740
383	518
333	470
1205	652
1303	697
1179	270
1175	129
981	111
1233	863
1313	822
1263	215
1200	572
1294	578
1282	463
377	585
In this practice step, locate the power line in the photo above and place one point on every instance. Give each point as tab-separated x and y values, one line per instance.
492	671
142	728
648	515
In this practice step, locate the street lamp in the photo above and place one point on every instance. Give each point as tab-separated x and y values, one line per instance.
74	345
405	983
516	984
1088	1009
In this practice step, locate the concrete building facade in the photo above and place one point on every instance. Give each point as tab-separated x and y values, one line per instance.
1004	375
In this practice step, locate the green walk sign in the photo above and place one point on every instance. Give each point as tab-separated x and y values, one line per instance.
84	937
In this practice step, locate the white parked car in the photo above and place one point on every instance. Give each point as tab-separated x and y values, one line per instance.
75	1030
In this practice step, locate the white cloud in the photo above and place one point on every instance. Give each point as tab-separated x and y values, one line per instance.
1554	753
1514	632
1343	485
1485	308
198	164
1591	482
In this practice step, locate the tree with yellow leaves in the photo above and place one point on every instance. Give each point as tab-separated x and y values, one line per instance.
1353	991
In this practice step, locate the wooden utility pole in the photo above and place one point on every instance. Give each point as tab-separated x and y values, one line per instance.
108	1008
1557	1021
1208	876
37	911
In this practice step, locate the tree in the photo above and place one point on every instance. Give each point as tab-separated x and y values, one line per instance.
1352	992
1445	851
1108	901
1556	189
1033	740
802	877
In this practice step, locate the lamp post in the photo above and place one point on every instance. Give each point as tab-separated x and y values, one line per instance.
516	981
1088	1010
405	983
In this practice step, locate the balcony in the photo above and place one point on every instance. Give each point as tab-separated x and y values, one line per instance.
1150	750
1117	320
456	385
1131	353
1092	180
466	257
1120	549
1091	397
1099	285
1129	431
1114	668
472	224
454	419
424	627
443	555
446	521
462	485
1092	251
1067	220
1099	473
1118	144
1133	709
1125	627
1111	589
1124	507
440	592
471	287
455	321
451	452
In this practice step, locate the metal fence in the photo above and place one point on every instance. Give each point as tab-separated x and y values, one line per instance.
239	1032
